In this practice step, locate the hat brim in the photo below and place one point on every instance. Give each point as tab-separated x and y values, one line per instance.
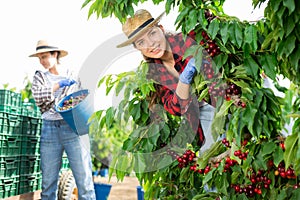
62	52
141	32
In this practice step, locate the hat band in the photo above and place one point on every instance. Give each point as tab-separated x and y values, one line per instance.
46	47
140	27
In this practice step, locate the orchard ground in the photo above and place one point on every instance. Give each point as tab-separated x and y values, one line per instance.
120	190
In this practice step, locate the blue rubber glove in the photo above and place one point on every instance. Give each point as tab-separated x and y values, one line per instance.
66	82
188	73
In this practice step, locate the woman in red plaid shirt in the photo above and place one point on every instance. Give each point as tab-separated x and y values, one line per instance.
164	53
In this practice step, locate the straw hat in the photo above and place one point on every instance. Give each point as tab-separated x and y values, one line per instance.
43	46
137	25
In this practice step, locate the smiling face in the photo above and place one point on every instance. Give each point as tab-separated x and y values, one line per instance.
153	43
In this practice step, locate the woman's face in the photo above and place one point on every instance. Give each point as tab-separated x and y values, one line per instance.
47	59
153	43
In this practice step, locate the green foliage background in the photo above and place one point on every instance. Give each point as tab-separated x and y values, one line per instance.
270	45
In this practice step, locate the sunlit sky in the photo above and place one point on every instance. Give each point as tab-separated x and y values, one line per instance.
23	23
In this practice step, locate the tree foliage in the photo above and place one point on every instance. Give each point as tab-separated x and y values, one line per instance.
260	162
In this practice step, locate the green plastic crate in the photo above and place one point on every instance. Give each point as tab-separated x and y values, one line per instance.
9	166
31	126
30	183
10	109
10	123
65	163
30	109
9	187
30	164
30	145
10	144
10	98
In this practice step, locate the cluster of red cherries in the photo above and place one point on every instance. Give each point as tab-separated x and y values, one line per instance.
211	47
187	158
240	154
258	181
227	92
281	171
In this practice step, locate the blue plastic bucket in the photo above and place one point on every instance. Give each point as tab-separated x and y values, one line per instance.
140	193
103	172
77	117
102	190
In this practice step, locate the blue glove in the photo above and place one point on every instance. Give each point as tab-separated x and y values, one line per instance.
188	73
66	82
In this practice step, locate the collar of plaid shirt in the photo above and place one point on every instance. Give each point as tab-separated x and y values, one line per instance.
171	101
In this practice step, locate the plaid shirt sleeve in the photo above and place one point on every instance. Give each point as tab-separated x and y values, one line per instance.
42	92
174	104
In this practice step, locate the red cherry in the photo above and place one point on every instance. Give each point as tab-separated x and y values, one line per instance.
243	105
283	174
282	146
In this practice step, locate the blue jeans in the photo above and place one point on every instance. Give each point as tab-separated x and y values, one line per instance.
56	138
207	113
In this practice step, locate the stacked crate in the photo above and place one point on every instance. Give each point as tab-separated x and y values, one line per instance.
11	142
30	173
20	131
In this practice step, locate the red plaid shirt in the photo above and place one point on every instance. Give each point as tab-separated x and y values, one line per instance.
171	102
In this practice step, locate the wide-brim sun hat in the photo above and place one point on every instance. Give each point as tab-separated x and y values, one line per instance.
43	46
137	25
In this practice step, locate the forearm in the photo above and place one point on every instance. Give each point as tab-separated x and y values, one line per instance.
183	90
55	87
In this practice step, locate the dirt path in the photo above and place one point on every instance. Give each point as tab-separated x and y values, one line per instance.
125	190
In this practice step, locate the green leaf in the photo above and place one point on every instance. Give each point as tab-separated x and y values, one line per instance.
251	67
191	51
269	64
251	37
184	174
208	177
238	33
290	4
231	33
272	36
164	162
278	156
249	116
268	148
140	165
291	145
224	109
192	20
287	46
199	56
289	26
213	29
224	32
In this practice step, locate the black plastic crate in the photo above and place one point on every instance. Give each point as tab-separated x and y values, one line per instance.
30	164
9	187
30	183
30	145
10	144
31	126
10	98
10	123
9	166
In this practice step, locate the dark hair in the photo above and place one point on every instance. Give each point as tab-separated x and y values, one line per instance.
154	74
58	55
